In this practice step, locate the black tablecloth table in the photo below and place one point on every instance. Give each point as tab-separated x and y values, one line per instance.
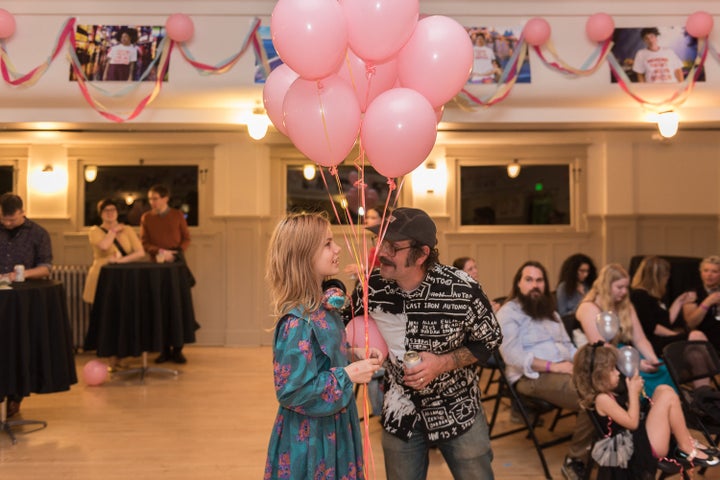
36	354
139	308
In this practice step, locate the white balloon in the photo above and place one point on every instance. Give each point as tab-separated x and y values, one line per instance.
628	361
608	325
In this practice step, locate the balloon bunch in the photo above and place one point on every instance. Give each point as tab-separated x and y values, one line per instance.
368	69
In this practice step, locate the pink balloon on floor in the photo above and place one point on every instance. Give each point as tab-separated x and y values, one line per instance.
7	24
95	373
355	330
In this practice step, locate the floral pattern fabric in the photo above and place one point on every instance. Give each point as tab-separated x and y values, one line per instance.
316	434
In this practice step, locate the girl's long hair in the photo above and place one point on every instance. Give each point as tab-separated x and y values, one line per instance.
591	367
601	294
290	263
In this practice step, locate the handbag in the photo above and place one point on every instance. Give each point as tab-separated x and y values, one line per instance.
614	451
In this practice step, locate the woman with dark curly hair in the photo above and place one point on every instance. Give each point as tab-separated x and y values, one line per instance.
577	274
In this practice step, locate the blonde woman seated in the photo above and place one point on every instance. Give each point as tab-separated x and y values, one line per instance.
112	242
609	293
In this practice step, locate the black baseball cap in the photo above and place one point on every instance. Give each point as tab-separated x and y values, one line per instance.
409	224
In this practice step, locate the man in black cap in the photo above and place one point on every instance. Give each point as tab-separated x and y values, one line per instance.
441	313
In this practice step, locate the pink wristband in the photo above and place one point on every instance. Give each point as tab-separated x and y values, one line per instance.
547	366
703	307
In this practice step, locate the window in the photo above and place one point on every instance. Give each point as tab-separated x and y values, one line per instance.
6	179
128	186
313	196
539	195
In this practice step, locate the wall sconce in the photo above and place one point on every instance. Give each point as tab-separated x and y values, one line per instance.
47	180
513	170
258	123
429	179
667	123
129	199
309	171
91	172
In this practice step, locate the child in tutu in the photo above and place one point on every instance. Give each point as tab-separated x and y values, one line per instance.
316	432
596	378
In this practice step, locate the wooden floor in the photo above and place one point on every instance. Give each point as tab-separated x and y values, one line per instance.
213	421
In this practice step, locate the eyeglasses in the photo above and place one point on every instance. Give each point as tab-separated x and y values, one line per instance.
392	249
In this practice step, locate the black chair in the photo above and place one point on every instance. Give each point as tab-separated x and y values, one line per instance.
689	361
571	324
524	405
667	468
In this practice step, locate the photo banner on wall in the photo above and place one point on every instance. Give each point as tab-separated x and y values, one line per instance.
118	52
655	54
493	48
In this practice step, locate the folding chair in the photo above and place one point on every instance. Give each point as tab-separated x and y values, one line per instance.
689	361
666	468
524	404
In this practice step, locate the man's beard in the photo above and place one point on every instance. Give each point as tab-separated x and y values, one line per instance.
538	307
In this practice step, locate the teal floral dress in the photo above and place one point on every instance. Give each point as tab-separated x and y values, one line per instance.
316	434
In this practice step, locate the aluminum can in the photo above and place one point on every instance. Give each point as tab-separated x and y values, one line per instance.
411	358
19	273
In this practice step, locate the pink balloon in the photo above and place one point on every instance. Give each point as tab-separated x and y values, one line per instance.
7	24
179	27
398	131
95	373
322	118
274	91
699	24
378	29
355	331
536	31
439	113
368	80
310	36
437	60
599	27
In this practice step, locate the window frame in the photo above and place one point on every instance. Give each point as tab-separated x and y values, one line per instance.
574	156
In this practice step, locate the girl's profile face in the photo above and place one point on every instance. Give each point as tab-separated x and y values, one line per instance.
619	289
614	378
583	272
327	260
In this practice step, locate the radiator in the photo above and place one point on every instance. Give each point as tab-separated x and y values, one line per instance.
73	277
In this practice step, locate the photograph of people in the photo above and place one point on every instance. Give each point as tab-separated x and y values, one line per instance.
493	48
655	54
